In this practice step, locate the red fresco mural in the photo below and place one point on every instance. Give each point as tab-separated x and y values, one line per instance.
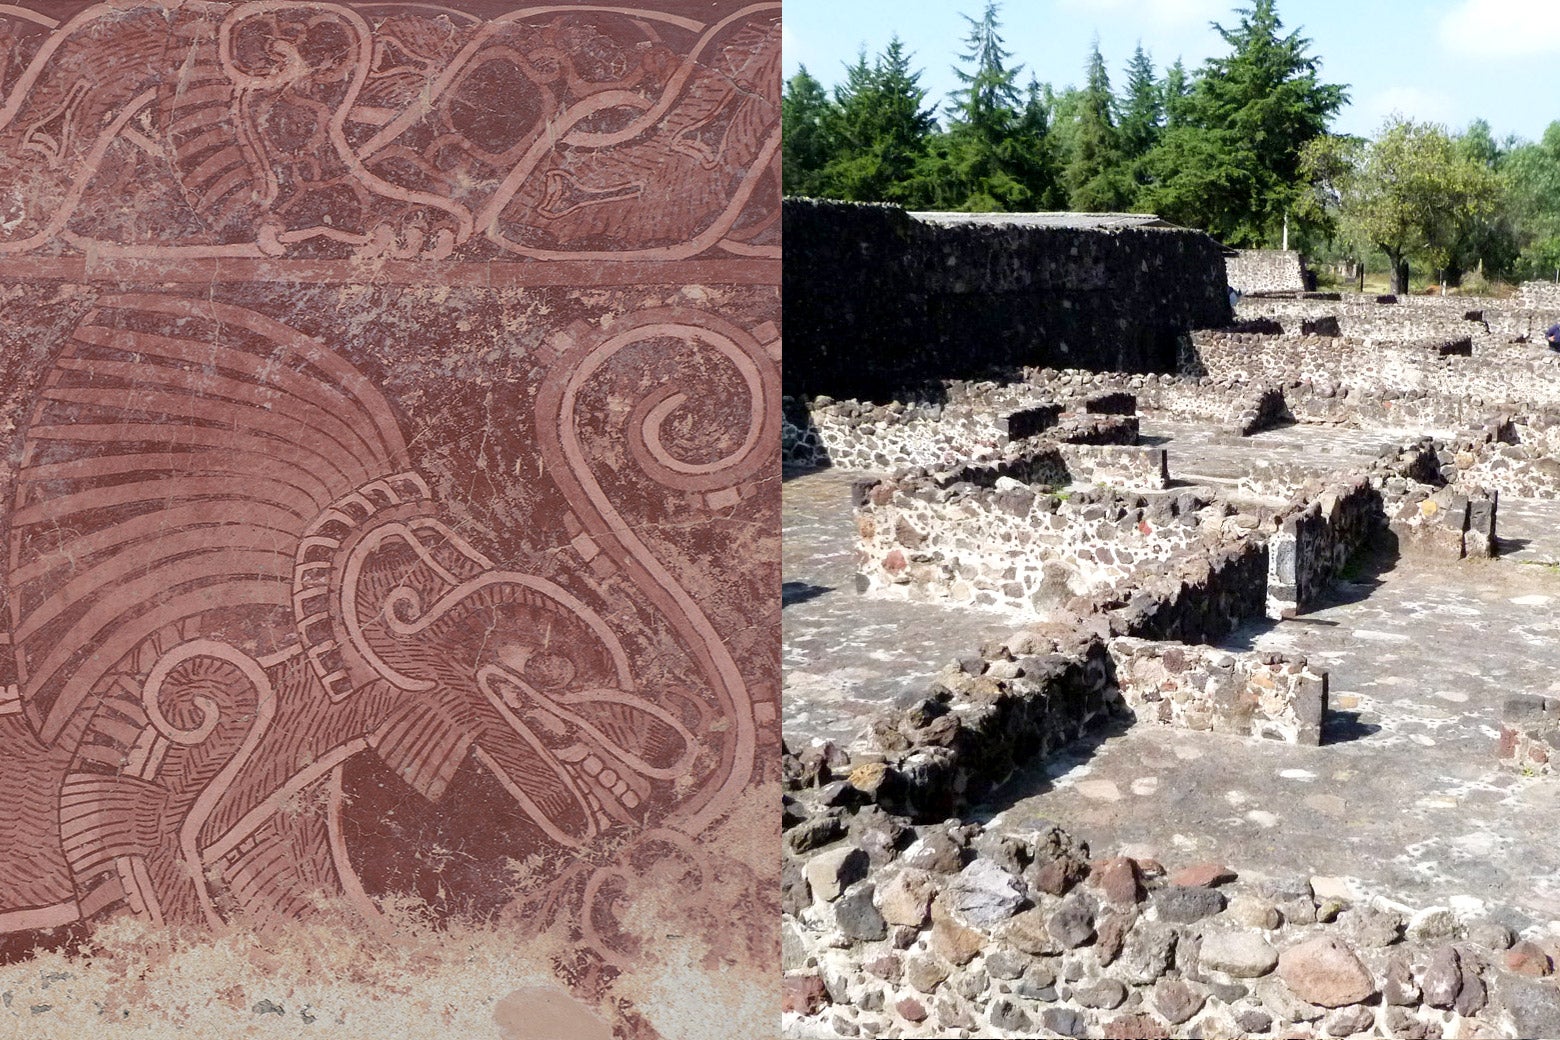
392	494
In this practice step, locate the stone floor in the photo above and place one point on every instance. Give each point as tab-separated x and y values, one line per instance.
1403	796
1200	453
847	655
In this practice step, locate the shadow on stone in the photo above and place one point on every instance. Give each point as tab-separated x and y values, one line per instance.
1036	778
1340	727
800	592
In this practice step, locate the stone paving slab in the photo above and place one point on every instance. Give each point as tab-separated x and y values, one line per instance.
1404	793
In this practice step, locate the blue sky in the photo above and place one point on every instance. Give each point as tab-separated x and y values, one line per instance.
1445	61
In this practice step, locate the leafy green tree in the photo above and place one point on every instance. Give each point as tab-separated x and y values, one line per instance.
1530	173
805	112
1414	194
1095	176
878	132
1328	163
1487	242
1247	118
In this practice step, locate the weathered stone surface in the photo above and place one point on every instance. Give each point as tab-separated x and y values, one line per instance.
831	872
1009	1017
856	915
804	994
1325	971
1399	989
1528	958
984	894
1027	931
1241	954
910	1009
888	967
1366	927
1253	911
1346	1021
906	899
1072	924
1203	875
1065	1021
1432	924
1111	934
1003	962
952	939
1118	880
926	971
1251	1020
1141	1026
1177	1000
935	851
1106	994
1181	905
1534	1005
1147	953
814	833
1443	978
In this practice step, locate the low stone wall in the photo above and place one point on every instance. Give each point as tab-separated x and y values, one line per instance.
1262	409
945	929
1539	295
1430	382
980	537
1265	270
1530	734
1316	541
985	716
1123	466
1196	596
1196	687
1515	457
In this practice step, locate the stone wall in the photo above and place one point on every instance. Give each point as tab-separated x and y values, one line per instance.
1316	541
1265	270
1197	687
1405	383
1530	734
947	929
985	716
1516	457
1539	295
997	542
878	302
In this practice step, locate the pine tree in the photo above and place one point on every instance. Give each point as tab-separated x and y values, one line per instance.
1142	107
1176	92
1095	178
805	112
1233	166
995	155
879	130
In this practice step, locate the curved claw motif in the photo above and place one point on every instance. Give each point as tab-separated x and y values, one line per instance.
226	582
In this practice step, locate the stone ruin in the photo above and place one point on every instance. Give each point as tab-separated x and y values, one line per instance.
1159	547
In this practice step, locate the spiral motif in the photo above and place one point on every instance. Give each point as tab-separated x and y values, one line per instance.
570	467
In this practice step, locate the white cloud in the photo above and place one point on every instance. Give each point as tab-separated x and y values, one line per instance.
1502	28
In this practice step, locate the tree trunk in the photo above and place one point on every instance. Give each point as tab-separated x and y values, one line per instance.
1359	276
1399	276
